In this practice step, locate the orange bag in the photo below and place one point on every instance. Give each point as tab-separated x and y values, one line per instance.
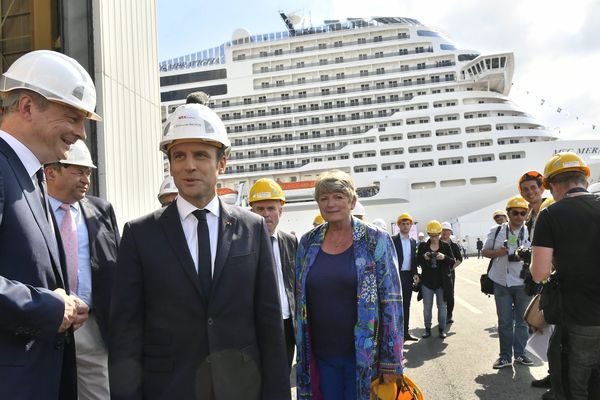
403	389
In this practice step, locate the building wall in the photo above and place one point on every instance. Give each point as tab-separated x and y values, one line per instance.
127	82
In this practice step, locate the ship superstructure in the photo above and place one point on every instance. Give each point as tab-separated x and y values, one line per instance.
414	118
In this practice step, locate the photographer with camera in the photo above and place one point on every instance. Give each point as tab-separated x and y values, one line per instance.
506	245
435	259
557	241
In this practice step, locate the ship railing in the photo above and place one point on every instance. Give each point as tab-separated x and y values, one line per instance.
442	80
305	49
233	157
300	138
347	59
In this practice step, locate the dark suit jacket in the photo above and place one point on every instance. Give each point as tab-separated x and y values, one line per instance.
287	251
170	340
104	238
400	254
33	356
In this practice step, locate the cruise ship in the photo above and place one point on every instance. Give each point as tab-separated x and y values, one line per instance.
421	124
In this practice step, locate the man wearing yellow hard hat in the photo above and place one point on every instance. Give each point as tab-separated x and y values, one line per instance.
531	188
567	234
406	251
506	271
266	199
500	217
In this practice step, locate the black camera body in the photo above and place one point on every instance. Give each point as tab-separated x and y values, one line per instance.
432	256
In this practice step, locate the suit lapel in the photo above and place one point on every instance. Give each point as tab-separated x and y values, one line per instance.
91	218
171	224
227	225
37	210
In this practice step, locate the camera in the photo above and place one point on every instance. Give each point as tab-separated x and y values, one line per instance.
514	257
432	256
524	254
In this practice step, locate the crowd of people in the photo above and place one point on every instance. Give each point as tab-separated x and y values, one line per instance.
204	300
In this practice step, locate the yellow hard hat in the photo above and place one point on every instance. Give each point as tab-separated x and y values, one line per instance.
517	202
548	202
564	162
318	220
404	216
266	189
434	227
498	213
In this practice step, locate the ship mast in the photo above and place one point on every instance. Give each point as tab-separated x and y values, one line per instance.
288	23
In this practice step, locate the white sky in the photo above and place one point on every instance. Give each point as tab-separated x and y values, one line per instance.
556	43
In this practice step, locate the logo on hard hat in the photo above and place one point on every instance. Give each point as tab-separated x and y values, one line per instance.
78	92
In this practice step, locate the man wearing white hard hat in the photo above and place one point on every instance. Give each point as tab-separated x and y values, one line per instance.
167	192
90	236
196	307
46	97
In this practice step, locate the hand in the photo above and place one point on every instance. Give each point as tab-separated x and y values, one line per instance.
440	256
389	378
427	256
70	310
501	251
83	313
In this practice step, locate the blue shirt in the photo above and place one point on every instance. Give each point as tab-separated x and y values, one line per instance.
84	267
331	288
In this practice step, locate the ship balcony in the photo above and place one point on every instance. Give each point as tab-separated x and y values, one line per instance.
496	70
376	56
375	75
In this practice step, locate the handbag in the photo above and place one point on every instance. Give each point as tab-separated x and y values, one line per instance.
533	314
485	283
551	300
403	389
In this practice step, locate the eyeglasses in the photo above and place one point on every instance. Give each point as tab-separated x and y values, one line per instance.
517	213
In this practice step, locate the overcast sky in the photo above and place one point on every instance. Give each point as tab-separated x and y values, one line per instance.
556	45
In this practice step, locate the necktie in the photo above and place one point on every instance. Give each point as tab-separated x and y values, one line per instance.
41	183
68	233
204	258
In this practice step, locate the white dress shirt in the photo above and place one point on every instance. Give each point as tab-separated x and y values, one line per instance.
189	223
285	305
406	256
27	158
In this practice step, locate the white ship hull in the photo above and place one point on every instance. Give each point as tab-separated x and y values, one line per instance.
422	126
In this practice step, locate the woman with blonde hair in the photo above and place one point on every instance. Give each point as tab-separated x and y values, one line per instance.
349	306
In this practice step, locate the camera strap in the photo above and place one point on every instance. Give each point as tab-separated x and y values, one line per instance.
519	237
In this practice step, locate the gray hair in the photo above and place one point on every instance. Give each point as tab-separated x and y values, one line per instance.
335	181
569	177
10	100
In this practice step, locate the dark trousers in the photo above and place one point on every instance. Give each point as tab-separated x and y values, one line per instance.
406	280
290	341
450	298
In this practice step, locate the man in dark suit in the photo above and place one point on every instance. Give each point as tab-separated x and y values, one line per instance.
46	96
90	237
195	309
406	250
267	200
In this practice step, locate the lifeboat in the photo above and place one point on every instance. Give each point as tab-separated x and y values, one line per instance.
298	191
228	195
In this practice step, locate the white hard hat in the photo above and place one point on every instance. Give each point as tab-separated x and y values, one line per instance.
195	122
167	187
358	209
79	155
446	225
380	223
421	234
56	77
